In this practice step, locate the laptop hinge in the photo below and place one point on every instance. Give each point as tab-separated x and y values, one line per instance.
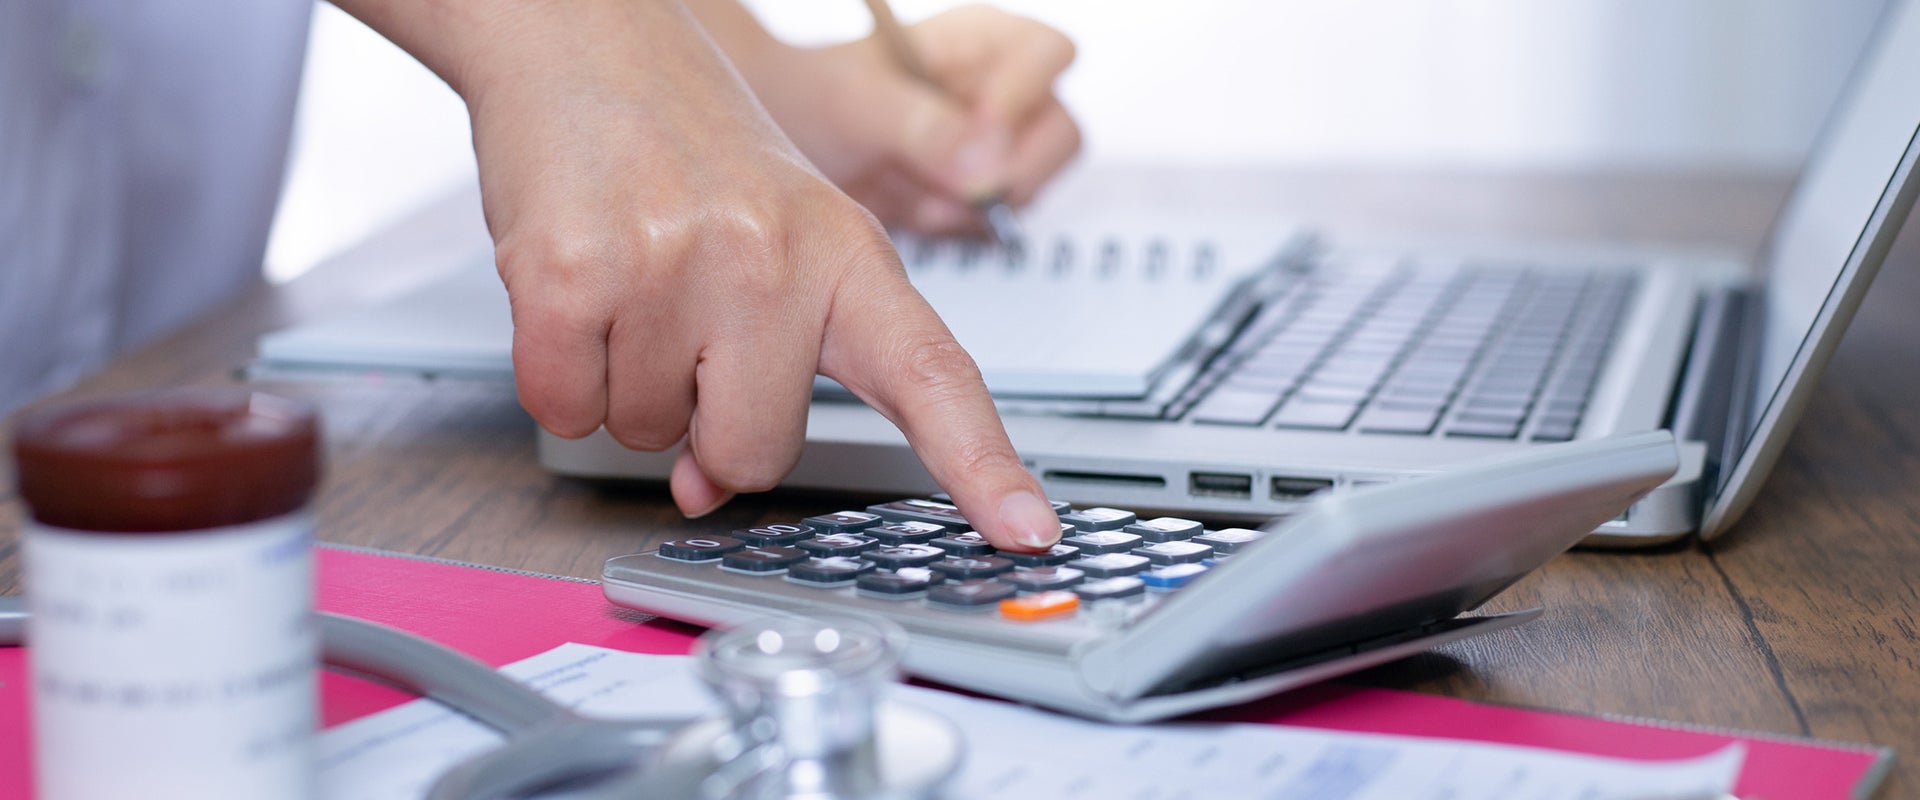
1706	402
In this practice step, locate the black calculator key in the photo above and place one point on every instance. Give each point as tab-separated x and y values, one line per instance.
1059	506
1041	579
782	533
838	544
1229	540
907	532
899	582
1051	557
1111	565
843	522
829	571
763	559
934	511
964	544
1169	553
904	555
1110	589
1098	518
965	567
971	593
704	548
1097	542
1165	529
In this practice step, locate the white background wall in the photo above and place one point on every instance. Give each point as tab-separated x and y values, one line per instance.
1423	84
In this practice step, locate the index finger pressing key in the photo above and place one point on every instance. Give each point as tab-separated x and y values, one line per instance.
891	350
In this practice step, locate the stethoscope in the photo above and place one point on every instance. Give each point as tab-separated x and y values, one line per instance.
805	718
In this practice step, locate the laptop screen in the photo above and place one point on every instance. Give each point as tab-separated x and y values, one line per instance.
1825	224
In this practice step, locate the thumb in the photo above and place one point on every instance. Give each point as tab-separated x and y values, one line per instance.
939	141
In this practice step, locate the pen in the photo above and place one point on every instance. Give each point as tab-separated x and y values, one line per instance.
1001	221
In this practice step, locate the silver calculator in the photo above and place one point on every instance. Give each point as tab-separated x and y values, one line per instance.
1134	618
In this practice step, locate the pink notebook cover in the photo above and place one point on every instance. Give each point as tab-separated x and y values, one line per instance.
501	617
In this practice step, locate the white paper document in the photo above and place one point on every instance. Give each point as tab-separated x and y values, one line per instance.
1016	752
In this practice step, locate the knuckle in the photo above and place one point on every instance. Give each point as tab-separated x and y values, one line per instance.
938	368
986	456
651	438
743	469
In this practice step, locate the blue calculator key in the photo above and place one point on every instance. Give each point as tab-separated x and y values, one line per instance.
829	571
1097	542
762	559
1172	577
1098	518
904	555
838	544
1110	589
701	548
970	594
899	583
843	521
934	511
1111	565
969	567
1051	557
1165	529
783	533
1229	540
964	544
907	532
1041	579
1176	552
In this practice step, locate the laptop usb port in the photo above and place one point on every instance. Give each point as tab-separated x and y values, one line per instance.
1285	488
1220	484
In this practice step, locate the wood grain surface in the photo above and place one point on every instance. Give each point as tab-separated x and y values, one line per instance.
1801	621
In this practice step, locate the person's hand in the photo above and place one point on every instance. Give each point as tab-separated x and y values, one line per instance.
919	155
678	270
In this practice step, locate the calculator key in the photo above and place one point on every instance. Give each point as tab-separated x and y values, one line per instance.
829	571
907	532
1059	506
843	521
899	583
1098	518
838	544
964	544
943	514
1229	540
1168	553
1043	605
971	594
1110	589
965	567
1052	556
1041	579
762	559
1172	577
1098	542
904	555
1111	565
783	533
1165	529
706	548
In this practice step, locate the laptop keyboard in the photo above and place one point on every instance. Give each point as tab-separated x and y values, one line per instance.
1494	352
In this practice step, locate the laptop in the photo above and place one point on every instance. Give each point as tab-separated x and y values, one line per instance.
1328	364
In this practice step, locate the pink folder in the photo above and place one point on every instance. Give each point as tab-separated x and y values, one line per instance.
501	617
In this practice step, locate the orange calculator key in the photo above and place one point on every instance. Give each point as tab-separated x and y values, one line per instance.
1039	605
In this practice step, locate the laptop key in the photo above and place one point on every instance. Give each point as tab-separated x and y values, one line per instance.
1231	406
1315	416
1483	428
1387	419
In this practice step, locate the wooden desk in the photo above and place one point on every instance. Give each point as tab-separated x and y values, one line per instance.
1801	622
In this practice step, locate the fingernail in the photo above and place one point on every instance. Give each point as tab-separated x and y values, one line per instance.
981	164
1030	519
717	503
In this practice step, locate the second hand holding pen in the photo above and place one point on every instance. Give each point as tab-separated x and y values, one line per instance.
1001	220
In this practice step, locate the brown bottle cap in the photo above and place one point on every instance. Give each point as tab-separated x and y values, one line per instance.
168	460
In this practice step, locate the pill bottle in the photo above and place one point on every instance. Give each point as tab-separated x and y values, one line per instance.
168	566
